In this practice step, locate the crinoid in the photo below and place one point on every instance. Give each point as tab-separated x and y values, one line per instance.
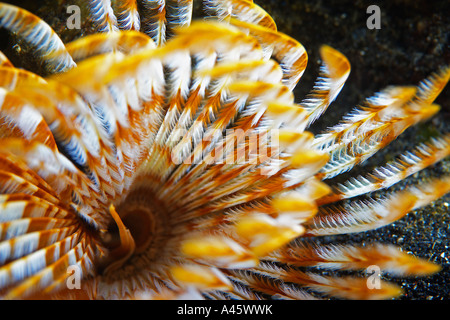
174	160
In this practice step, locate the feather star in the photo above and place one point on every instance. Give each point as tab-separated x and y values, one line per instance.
166	158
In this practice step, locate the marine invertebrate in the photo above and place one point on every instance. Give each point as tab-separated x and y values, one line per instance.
156	166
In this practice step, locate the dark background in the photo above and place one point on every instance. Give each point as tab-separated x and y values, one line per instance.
412	43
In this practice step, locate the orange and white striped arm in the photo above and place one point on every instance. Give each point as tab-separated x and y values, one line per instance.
39	35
